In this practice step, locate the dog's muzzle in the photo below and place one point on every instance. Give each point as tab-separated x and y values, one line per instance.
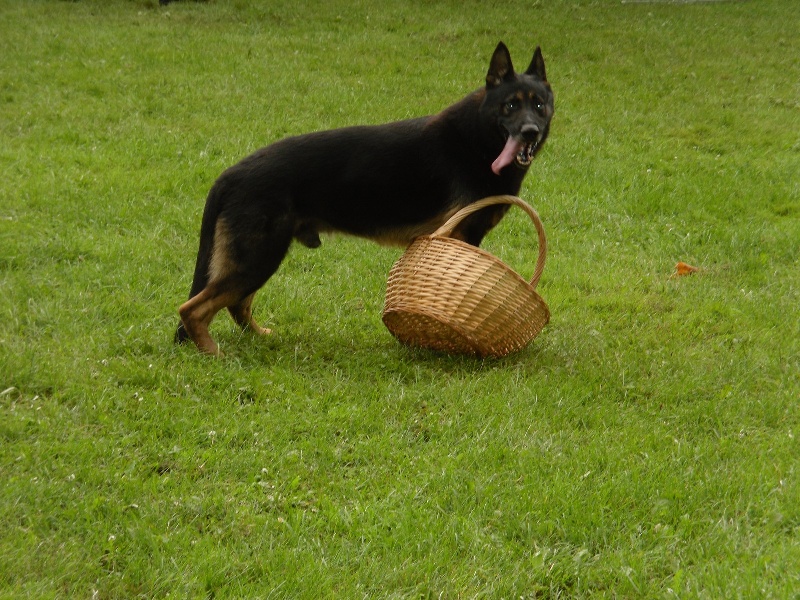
519	150
532	137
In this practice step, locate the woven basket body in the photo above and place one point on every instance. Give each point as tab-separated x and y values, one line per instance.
447	295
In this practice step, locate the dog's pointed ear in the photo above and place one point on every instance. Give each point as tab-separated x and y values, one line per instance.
537	65
500	68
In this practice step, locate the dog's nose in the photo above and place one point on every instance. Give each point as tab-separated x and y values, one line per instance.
530	133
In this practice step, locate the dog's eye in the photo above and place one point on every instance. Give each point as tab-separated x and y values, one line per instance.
539	107
512	105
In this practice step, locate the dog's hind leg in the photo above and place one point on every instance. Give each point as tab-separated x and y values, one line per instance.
242	313
198	312
238	267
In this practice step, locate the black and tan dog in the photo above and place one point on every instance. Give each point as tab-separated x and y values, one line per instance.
389	183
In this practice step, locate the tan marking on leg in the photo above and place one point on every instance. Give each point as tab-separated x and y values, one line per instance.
221	263
198	312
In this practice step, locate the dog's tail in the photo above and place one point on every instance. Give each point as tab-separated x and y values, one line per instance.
201	269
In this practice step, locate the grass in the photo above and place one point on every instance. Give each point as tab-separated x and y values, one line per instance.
645	445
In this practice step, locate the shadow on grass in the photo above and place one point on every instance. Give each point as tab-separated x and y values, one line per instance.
372	350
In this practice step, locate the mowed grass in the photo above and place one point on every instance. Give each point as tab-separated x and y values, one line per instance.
645	444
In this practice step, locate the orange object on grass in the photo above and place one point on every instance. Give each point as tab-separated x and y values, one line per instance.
684	269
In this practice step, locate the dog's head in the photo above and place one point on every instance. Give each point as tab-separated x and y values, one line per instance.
521	106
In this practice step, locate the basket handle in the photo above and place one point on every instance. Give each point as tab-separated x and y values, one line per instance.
450	225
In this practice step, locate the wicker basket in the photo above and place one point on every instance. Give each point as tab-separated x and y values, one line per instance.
447	295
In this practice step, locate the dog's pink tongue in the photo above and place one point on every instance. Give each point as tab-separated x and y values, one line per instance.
513	147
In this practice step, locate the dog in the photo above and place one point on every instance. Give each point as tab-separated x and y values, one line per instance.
389	183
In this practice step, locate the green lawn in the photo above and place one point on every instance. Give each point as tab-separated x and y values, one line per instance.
644	446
